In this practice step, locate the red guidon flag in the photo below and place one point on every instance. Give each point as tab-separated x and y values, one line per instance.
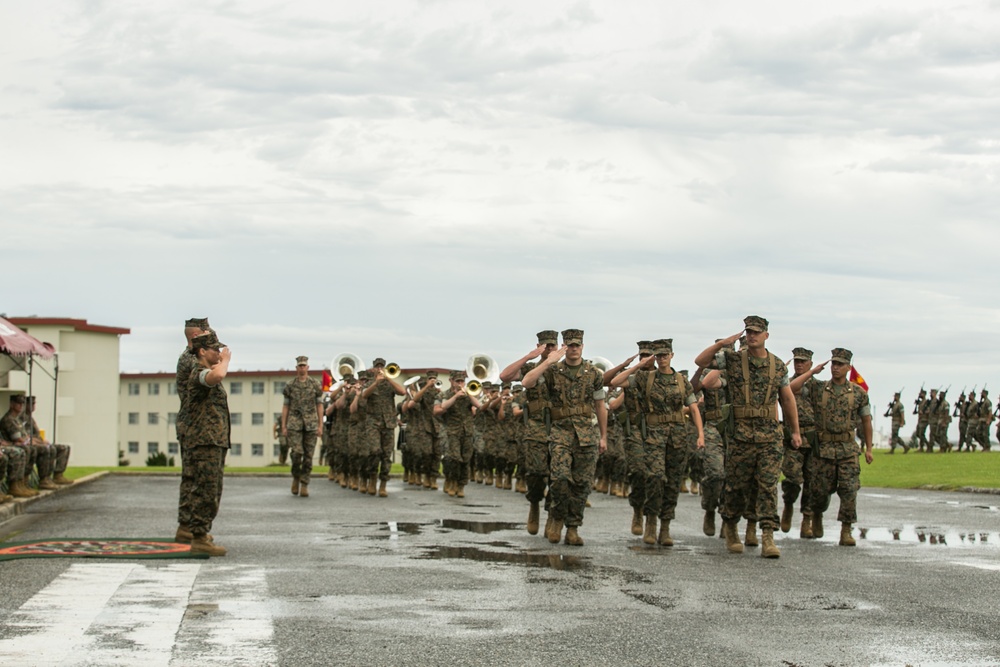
328	381
856	378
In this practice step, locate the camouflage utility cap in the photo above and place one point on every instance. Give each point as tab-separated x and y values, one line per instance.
379	361
841	355
802	354
572	336
206	341
364	375
517	389
505	385
984	392
548	337
17	398
663	346
457	376
645	346
302	361
754	323
487	386
431	375
197	323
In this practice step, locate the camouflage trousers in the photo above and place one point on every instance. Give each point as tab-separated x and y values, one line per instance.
665	463
458	456
840	476
572	472
419	444
302	446
13	469
693	466
941	438
536	466
982	435
897	441
751	486
635	466
797	476
963	433
713	471
282	450
60	458
921	434
205	472
383	435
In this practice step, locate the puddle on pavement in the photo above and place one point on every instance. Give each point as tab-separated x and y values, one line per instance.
929	536
393	529
482	527
553	561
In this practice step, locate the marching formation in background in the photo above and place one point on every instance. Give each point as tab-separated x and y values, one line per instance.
554	426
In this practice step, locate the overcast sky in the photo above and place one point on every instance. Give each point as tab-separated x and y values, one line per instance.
427	180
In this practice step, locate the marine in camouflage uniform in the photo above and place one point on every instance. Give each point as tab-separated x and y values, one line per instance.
985	418
664	394
898	416
419	411
302	423
576	394
535	415
12	431
795	463
207	436
455	408
58	454
186	363
381	415
614	457
757	380
835	468
940	421
715	417
694	464
357	443
924	409
341	413
13	470
485	423
506	449
45	453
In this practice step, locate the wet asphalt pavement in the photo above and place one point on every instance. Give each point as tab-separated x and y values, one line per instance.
423	579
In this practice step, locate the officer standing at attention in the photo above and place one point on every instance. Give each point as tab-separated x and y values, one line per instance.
576	394
302	423
757	380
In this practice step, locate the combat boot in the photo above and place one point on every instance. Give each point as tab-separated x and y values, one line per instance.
60	479
817	525
47	484
664	539
708	525
695	488
427	480
751	537
434	483
769	550
295	486
460	490
183	535
522	486
636	521
352	482
382	493
602	485
554	533
649	537
684	485
786	517
19	490
488	478
533	519
733	544
372	483
331	476
806	530
548	524
846	539
202	545
508	482
573	538
449	487
303	491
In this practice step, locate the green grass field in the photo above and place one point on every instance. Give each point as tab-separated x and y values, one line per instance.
897	471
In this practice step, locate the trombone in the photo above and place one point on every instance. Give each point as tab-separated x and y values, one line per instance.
392	371
473	387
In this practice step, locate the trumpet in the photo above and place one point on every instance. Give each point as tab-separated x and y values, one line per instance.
392	371
346	364
474	388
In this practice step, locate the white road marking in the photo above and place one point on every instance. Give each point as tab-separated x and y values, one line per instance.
125	614
982	566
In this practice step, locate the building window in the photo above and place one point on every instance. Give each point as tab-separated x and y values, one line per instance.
171	418
153	388
173	448
277	450
152	418
235	388
279	387
257	418
153	447
133	388
133	418
236	418
257	388
133	447
172	388
237	449
257	449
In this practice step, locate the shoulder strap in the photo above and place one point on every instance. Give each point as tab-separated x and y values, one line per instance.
650	378
745	357
771	372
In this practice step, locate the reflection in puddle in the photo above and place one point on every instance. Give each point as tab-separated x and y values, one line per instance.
482	527
553	561
928	535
